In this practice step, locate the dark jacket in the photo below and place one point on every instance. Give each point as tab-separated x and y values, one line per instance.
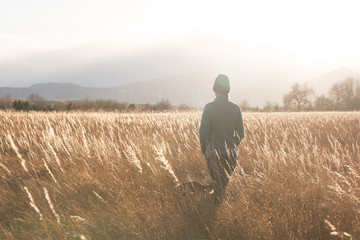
221	127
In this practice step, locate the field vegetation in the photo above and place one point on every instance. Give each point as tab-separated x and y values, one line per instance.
112	176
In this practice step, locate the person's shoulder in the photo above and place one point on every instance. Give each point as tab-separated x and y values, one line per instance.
208	105
234	106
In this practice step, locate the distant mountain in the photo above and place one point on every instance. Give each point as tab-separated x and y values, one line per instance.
50	91
323	83
191	90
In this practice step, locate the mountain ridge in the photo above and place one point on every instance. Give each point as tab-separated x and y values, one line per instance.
190	89
189	93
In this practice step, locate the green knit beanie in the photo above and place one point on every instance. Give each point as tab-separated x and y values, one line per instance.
221	84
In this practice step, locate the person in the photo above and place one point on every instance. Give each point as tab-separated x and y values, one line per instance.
221	131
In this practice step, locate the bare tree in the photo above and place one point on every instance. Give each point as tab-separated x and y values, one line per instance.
6	102
351	90
299	98
346	94
35	98
323	103
163	105
271	107
336	94
245	106
37	102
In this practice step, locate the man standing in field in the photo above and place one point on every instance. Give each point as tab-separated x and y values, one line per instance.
221	131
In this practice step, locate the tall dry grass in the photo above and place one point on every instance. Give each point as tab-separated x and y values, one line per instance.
112	176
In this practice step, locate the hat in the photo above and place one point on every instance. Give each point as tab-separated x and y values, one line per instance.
221	84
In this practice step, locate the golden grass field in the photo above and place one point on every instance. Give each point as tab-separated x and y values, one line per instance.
112	176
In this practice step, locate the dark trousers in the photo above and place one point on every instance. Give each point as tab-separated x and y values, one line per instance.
221	167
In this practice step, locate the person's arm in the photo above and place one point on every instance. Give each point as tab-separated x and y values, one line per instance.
205	129
239	128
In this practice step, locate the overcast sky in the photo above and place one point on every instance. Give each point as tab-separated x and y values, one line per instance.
308	37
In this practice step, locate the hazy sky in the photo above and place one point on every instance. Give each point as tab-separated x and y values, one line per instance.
305	36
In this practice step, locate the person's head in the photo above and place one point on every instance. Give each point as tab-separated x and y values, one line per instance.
221	85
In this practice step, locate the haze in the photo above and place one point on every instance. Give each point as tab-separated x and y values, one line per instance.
110	43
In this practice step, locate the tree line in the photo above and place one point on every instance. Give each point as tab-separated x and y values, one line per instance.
342	96
37	103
